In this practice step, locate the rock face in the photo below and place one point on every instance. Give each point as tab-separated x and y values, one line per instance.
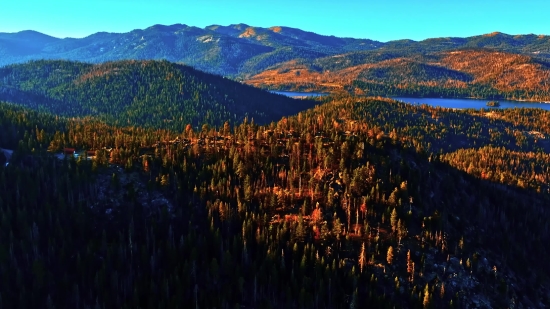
116	188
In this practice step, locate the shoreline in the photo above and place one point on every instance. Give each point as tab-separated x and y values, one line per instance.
473	98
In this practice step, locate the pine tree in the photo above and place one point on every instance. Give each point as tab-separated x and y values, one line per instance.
389	256
164	180
393	220
362	258
426	301
410	265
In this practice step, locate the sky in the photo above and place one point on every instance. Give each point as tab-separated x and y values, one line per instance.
380	20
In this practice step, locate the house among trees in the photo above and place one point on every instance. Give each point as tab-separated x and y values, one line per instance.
69	151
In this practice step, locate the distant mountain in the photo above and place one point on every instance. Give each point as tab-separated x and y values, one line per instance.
535	45
481	73
23	45
225	50
156	94
240	50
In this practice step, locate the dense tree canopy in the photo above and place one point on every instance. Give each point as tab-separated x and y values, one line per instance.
468	73
357	202
155	94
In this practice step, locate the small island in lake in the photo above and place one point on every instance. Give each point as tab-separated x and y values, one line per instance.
493	104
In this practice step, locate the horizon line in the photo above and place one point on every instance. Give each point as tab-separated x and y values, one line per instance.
268	28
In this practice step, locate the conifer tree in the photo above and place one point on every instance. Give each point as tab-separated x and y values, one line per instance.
389	256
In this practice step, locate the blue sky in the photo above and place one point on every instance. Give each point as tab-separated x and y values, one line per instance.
380	20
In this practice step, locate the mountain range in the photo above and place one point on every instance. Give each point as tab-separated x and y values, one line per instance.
229	50
241	50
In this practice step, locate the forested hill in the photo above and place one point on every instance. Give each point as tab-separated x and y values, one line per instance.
482	73
157	94
239	50
360	203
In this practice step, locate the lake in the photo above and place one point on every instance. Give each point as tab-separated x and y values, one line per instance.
294	94
470	103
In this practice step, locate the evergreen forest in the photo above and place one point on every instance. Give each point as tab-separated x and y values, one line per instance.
345	202
154	94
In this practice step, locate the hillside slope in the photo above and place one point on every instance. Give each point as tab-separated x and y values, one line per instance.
150	93
461	73
373	202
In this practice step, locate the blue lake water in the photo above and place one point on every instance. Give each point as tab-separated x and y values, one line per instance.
470	103
300	94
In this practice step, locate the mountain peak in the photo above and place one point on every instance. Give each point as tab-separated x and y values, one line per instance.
492	34
170	28
30	35
212	27
248	32
30	32
240	26
233	30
